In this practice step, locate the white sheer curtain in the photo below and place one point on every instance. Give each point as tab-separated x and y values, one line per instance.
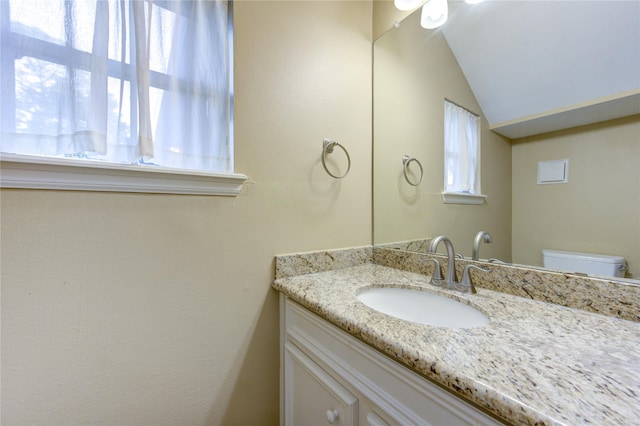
128	81
461	150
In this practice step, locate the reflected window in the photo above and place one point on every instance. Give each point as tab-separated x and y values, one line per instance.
461	150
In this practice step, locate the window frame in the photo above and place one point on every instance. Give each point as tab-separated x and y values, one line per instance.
453	197
32	172
44	172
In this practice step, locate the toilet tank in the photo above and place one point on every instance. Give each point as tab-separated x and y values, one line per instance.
588	263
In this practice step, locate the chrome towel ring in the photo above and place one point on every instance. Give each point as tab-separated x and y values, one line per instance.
327	148
406	160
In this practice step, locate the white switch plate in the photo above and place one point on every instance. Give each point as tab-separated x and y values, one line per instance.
553	171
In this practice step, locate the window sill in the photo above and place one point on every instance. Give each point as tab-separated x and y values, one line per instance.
460	198
27	172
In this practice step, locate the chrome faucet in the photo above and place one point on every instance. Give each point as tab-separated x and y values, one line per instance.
480	236
450	277
465	285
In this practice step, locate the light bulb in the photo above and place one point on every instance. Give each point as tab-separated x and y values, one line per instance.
434	14
407	4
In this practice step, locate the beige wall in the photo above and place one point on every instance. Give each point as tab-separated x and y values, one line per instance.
414	71
597	211
386	16
157	309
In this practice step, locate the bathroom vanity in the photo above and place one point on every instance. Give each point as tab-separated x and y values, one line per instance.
534	363
331	377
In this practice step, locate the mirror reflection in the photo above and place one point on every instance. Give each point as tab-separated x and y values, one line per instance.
594	208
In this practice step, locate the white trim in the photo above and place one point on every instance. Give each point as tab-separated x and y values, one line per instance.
30	172
461	198
624	104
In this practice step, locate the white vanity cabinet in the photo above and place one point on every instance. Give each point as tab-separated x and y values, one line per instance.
330	378
316	398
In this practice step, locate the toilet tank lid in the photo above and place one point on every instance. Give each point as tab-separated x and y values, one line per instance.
590	257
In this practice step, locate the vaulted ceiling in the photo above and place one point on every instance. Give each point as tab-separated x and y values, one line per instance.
539	66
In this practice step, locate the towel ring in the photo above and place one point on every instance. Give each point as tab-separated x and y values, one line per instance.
406	160
327	148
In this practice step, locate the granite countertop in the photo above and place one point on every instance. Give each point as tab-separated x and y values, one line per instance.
535	363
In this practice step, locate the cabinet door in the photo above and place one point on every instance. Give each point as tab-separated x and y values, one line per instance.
374	419
312	396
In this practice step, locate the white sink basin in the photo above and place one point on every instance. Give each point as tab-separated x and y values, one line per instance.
422	307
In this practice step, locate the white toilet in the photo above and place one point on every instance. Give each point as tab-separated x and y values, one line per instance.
588	263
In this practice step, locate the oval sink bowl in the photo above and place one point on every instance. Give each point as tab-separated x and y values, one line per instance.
422	307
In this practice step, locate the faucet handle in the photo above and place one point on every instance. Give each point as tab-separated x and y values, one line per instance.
466	282
437	273
501	262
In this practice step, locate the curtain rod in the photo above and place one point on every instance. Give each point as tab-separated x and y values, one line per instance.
460	106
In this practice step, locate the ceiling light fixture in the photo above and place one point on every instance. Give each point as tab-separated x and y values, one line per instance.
407	4
434	14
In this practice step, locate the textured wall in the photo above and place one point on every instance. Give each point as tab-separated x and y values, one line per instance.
157	309
597	211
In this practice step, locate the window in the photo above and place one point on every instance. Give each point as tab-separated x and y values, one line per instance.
122	89
461	156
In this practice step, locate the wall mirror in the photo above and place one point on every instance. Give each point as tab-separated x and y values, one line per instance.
563	108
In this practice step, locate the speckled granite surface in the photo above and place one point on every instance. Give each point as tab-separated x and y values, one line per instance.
613	298
417	246
535	363
289	265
